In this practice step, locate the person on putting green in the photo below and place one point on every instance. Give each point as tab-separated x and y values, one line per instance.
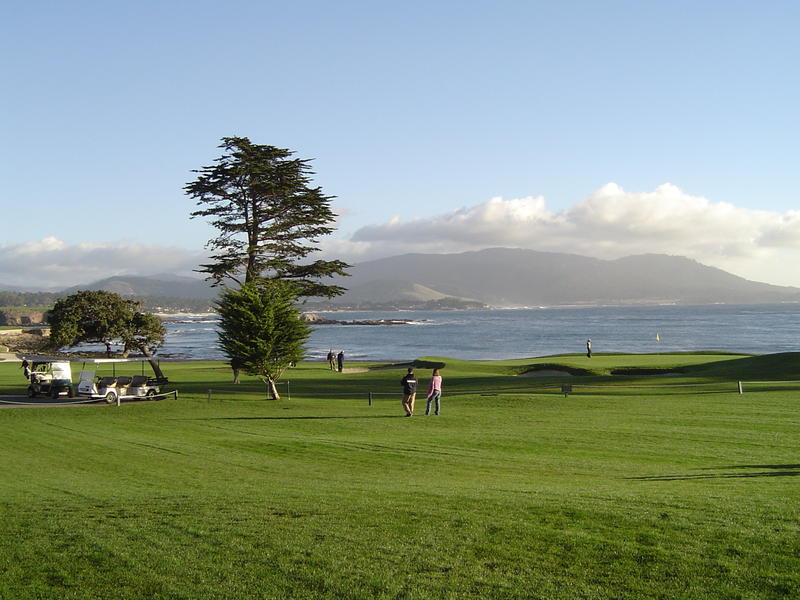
409	383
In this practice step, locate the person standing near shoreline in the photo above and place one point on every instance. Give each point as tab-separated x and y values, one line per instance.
340	360
434	393
588	348
409	383
331	360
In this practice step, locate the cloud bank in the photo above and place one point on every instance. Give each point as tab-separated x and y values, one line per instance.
610	223
50	263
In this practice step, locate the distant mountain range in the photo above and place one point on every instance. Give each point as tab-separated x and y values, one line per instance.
164	286
506	277
498	277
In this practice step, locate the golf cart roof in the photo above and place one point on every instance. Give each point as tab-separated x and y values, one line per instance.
83	359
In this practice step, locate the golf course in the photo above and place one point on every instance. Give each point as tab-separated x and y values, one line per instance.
652	477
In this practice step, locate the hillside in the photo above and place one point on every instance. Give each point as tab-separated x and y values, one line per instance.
396	293
167	286
515	277
501	277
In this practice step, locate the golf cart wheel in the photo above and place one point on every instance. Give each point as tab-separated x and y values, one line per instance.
31	393
150	394
111	398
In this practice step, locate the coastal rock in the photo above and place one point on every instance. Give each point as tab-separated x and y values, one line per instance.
40	331
25	342
21	317
317	320
311	318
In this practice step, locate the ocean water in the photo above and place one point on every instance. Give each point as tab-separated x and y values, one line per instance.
522	333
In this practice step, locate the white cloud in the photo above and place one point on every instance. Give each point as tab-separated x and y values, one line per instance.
50	263
610	223
785	233
481	224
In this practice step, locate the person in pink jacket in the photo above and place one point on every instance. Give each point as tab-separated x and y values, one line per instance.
434	393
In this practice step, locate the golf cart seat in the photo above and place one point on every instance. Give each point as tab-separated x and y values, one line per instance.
107	382
123	381
139	380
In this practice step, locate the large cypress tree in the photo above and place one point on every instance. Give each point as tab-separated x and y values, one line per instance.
268	215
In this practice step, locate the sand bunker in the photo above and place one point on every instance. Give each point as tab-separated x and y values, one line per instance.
546	373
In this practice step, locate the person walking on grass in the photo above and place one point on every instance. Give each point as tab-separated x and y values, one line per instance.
434	393
588	348
331	360
409	383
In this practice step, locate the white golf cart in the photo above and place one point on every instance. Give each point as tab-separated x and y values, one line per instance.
113	388
52	376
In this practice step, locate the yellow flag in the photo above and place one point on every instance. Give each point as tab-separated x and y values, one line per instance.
658	338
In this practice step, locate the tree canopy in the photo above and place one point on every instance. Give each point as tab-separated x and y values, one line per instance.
260	329
268	215
106	318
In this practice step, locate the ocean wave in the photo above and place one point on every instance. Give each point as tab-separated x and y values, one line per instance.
321	354
185	330
184	315
189	321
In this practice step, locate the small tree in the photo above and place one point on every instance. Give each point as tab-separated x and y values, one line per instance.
105	318
88	316
268	215
261	331
143	332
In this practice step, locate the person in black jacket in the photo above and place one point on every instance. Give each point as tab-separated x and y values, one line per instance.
409	383
331	360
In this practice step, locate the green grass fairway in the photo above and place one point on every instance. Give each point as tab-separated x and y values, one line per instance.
663	482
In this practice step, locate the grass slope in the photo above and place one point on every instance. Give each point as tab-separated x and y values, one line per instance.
657	487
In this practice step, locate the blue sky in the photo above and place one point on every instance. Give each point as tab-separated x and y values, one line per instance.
601	128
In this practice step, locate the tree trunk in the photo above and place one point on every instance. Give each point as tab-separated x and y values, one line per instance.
153	362
273	389
235	375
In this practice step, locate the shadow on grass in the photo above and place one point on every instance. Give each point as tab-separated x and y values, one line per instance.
306	418
781	467
773	471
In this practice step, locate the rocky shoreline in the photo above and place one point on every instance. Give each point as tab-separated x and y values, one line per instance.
24	341
317	320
